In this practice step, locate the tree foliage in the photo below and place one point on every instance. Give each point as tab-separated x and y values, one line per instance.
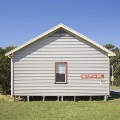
116	62
5	69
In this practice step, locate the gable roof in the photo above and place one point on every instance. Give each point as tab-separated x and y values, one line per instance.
110	53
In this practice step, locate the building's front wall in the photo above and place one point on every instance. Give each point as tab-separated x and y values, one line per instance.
34	68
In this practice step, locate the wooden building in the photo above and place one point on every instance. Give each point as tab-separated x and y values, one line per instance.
60	62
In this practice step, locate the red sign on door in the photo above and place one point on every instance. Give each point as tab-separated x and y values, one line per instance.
86	76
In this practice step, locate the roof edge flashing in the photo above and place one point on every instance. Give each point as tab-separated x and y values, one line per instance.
110	55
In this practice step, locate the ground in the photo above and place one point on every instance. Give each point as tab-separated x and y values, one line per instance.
53	110
57	110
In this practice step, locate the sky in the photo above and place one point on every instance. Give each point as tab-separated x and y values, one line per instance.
22	20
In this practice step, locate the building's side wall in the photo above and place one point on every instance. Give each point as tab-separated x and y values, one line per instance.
34	68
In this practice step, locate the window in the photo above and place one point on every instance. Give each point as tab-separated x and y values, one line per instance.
60	72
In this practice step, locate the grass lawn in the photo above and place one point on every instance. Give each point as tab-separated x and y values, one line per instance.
57	110
114	87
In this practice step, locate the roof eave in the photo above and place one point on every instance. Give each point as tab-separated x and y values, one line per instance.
111	55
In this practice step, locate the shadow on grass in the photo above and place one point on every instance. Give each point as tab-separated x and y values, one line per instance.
114	95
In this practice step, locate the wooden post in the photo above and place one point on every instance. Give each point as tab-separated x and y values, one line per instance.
90	98
74	98
61	98
13	98
19	98
12	77
105	97
43	98
57	98
28	99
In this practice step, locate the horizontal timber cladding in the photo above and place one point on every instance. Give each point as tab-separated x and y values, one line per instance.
34	68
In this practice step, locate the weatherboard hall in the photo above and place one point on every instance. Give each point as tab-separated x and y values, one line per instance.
60	62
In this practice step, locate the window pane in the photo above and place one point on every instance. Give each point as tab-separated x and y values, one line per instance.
60	68
60	77
60	72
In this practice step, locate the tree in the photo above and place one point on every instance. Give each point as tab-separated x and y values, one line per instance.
109	47
5	69
115	59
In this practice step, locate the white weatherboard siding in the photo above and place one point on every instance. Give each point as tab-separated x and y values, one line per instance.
34	67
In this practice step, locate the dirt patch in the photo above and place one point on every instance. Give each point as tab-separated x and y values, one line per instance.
5	97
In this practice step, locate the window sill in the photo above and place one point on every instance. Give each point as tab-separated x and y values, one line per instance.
60	83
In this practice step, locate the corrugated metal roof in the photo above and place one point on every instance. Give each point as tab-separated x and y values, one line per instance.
52	30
